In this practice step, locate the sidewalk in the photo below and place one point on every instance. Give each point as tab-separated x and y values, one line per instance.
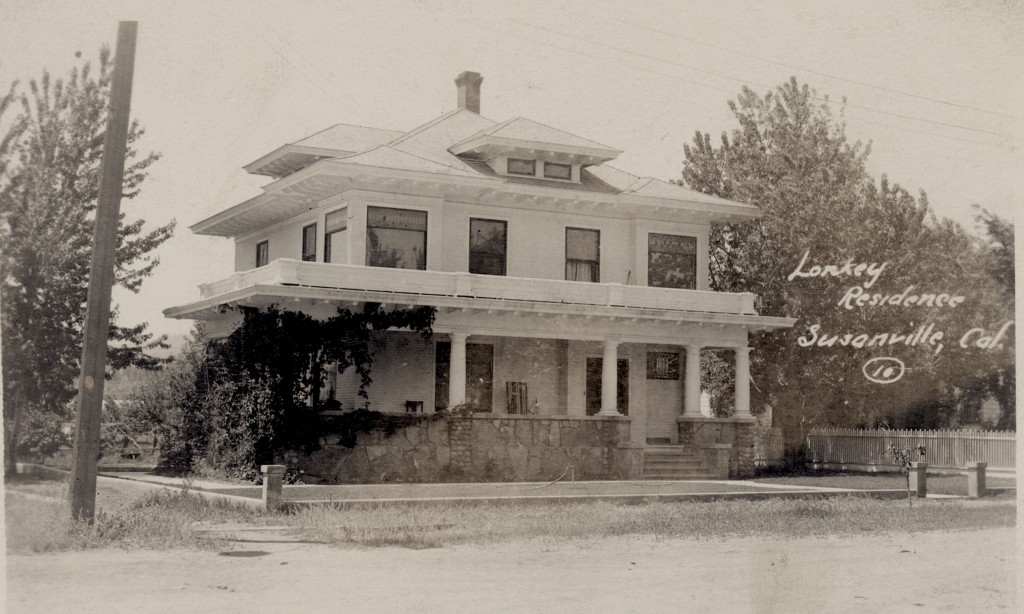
639	491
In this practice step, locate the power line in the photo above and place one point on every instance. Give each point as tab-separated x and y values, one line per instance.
744	81
817	72
720	89
297	69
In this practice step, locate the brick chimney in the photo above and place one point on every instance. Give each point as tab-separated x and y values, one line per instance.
469	90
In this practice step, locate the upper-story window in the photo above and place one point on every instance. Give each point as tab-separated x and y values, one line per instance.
558	171
488	242
309	243
582	254
262	253
335	237
516	166
396	238
671	261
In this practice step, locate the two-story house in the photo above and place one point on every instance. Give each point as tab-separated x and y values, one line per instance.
564	287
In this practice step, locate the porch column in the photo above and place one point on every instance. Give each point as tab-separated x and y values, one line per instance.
609	379
742	382
691	394
457	370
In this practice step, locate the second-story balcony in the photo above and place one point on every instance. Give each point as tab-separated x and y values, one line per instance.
429	287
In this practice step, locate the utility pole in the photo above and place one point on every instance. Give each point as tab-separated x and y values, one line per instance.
82	491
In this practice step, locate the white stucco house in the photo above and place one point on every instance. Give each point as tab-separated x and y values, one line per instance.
566	289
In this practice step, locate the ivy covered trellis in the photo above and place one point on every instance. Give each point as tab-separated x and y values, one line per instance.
265	373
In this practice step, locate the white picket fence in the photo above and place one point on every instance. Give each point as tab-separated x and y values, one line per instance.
943	449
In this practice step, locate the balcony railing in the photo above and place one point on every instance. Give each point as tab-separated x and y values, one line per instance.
468	285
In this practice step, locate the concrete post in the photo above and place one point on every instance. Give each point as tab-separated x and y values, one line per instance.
919	479
609	379
976	479
273	486
691	383
742	382
457	370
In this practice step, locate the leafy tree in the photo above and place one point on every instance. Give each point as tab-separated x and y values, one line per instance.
52	158
790	156
998	260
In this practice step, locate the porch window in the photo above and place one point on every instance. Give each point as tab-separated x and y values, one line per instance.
671	261
515	166
396	238
488	242
309	243
582	254
479	375
262	253
593	386
662	365
335	237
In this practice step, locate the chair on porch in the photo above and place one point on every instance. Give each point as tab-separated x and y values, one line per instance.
515	393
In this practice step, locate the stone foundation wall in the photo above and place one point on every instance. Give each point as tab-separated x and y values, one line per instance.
736	432
484	448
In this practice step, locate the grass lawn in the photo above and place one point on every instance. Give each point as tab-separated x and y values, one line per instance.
134	518
937	484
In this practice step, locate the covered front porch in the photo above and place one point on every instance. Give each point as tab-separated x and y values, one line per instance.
642	375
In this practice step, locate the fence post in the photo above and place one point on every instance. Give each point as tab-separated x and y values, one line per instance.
976	479
919	479
273	486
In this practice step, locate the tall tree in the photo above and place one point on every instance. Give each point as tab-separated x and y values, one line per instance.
790	156
999	263
47	209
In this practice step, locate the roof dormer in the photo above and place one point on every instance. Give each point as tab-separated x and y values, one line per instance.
521	142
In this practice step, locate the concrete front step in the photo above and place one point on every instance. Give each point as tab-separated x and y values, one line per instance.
669	462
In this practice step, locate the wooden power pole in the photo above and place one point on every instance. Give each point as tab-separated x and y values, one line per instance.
82	491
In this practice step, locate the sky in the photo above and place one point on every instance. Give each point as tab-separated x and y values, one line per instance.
934	87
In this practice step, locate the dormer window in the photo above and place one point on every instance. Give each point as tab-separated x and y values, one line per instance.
518	166
558	171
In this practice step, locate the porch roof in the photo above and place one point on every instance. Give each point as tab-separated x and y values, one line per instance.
319	288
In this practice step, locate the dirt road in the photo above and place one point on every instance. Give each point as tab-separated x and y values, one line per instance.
931	572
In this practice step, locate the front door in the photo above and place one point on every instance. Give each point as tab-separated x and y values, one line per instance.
594	367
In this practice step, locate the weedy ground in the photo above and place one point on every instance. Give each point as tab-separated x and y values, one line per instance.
38	520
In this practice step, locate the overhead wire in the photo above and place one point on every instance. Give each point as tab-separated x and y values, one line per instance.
721	89
815	72
747	81
633	67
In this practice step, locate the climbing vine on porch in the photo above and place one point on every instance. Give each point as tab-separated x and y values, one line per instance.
258	381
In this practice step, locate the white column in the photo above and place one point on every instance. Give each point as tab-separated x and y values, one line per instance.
742	382
691	384
609	379
457	370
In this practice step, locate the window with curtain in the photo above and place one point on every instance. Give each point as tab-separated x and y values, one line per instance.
487	246
335	237
582	254
309	243
396	238
671	261
262	253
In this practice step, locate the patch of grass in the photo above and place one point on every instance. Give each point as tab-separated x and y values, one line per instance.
39	520
445	525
